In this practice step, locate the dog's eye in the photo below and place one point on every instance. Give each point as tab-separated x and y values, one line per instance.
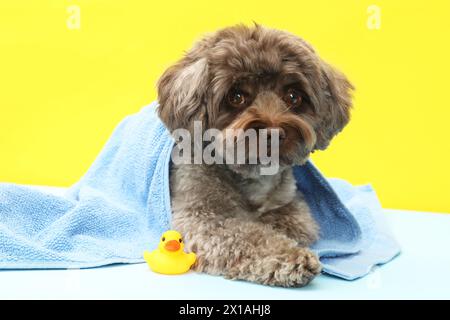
292	98
237	98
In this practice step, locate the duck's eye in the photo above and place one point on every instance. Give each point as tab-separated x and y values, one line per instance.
237	98
163	239
181	240
292	98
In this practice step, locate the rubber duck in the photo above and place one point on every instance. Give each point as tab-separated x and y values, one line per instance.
169	257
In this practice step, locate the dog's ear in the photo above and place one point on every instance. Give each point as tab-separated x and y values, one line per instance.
182	92
336	102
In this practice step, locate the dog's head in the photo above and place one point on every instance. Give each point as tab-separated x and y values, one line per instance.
253	77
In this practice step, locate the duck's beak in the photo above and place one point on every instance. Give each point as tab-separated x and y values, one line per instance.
172	245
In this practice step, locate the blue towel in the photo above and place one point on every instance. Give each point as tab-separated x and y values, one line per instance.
121	206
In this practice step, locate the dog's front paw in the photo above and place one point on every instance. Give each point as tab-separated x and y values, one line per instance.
295	269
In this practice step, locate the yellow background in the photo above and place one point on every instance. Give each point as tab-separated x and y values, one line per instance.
63	90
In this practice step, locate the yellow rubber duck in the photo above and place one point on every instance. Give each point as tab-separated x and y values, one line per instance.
169	257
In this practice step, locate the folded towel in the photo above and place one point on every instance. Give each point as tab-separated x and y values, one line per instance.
121	206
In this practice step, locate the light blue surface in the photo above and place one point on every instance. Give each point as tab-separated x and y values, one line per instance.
122	206
422	271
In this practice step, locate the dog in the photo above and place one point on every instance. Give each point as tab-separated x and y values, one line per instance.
241	224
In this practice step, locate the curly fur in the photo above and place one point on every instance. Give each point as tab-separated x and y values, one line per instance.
243	225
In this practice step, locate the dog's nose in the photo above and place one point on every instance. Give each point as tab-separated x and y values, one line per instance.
281	134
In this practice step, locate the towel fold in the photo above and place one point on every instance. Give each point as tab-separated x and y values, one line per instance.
121	206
